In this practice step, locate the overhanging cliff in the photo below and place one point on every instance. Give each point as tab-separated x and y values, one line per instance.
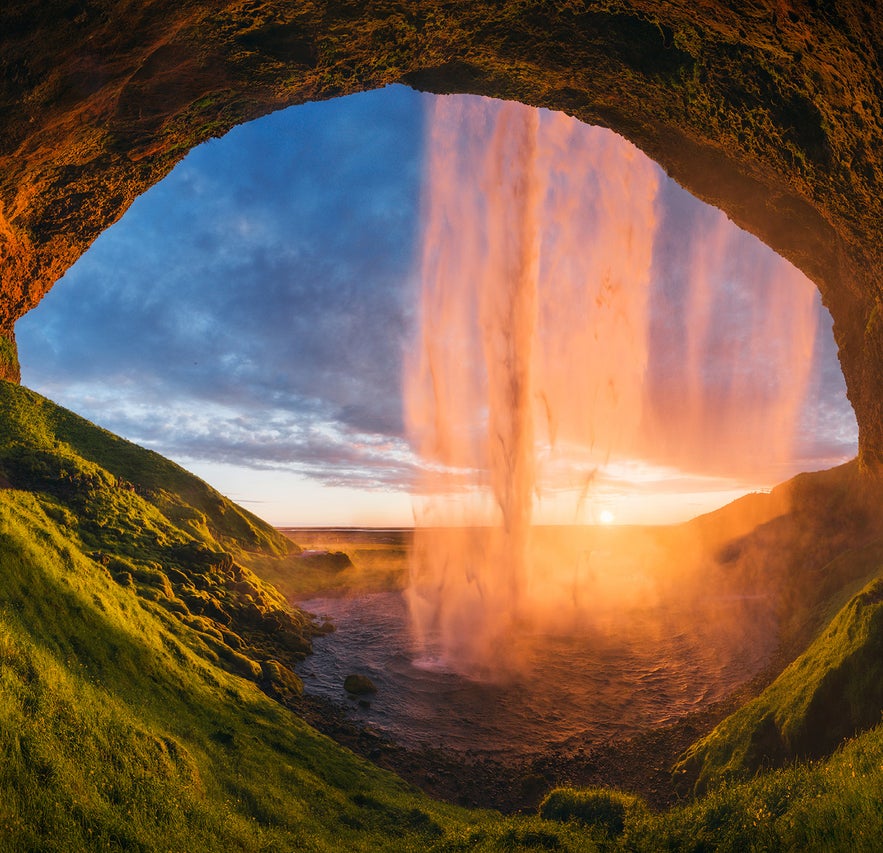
772	112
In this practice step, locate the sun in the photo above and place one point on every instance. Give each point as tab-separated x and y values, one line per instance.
606	517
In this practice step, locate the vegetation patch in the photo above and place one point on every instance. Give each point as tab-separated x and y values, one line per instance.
831	692
598	807
159	531
144	671
9	367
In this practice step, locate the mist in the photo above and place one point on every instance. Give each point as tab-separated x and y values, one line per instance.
577	317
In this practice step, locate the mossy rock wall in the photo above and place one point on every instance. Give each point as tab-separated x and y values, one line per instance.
831	692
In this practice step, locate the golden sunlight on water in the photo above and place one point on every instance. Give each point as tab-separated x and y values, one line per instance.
564	331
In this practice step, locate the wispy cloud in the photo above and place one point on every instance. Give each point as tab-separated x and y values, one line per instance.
254	307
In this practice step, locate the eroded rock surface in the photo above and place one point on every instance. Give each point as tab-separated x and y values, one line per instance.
772	111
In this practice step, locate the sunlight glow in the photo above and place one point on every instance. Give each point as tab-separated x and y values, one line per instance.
292	404
563	332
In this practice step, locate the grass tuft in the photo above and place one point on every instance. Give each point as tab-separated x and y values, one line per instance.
598	807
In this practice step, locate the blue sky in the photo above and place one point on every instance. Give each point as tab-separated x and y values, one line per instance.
248	316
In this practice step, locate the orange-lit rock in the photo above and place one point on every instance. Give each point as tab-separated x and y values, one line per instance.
772	112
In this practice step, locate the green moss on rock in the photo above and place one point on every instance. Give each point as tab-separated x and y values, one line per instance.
831	692
9	366
602	808
134	513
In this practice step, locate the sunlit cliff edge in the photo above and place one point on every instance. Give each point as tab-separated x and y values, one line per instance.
145	678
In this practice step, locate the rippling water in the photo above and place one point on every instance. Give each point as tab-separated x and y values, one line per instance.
645	668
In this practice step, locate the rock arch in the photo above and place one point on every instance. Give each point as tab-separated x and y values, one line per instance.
772	112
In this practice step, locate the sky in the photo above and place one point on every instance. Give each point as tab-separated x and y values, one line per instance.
248	317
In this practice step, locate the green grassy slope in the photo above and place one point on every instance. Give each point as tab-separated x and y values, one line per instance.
830	805
119	730
51	449
139	658
823	558
831	692
153	527
819	547
136	655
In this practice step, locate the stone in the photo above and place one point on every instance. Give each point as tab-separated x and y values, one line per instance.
327	561
279	680
358	685
773	115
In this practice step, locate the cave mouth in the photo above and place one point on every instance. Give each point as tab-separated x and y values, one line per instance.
162	310
743	108
300	379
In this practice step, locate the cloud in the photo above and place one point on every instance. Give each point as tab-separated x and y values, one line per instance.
271	272
254	307
305	438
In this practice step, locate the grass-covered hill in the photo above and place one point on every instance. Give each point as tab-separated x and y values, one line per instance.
144	671
134	644
831	691
821	534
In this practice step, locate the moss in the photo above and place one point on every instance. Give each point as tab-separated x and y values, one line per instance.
602	808
827	695
280	681
118	731
126	722
137	515
9	366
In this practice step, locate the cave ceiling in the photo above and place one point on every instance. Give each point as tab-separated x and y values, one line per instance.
771	111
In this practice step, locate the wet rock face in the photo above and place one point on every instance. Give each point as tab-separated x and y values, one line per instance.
773	112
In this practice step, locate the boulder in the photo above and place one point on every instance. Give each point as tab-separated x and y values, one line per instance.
358	685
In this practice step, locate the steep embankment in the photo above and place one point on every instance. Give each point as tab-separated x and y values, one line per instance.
132	641
822	558
831	692
155	528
